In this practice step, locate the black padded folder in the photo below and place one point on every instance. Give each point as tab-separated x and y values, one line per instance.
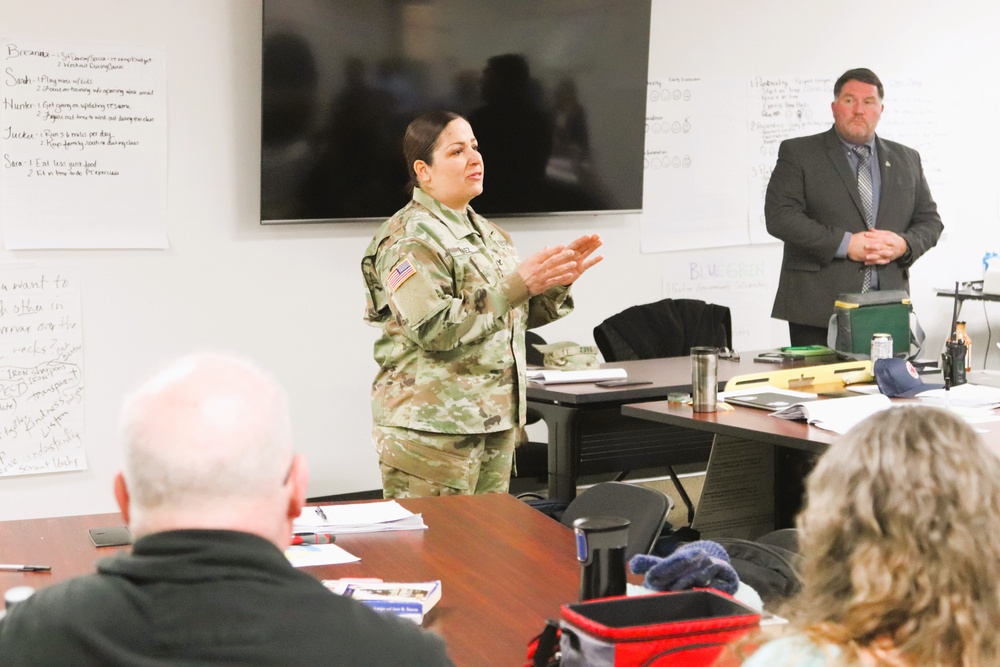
767	400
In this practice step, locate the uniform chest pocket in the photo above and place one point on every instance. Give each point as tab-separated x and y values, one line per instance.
474	270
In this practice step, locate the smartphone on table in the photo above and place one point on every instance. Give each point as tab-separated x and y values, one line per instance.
778	357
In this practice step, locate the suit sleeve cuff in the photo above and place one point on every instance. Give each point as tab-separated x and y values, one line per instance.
844	244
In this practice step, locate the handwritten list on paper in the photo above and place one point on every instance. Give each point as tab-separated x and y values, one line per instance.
781	107
41	373
84	143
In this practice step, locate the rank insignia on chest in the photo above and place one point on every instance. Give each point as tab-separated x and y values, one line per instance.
399	275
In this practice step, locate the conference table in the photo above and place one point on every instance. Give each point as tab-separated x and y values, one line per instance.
796	443
505	567
588	433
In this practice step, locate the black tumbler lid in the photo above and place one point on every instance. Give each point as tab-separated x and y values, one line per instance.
599	532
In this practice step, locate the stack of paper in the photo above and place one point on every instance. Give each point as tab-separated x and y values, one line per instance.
564	377
836	414
358	518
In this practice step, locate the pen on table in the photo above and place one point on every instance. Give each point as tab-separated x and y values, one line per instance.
25	568
322	514
314	538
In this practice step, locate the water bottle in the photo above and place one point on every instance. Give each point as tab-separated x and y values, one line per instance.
987	260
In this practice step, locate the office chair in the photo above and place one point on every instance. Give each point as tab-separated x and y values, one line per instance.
645	508
665	328
531	459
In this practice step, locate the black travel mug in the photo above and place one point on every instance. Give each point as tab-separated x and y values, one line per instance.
600	548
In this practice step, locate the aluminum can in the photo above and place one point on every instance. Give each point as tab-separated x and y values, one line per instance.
881	346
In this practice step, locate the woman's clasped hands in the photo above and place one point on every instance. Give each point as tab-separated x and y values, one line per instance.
560	265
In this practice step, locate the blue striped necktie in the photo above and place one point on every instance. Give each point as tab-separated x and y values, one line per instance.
866	190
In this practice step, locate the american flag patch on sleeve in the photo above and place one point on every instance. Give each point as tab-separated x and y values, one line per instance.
399	274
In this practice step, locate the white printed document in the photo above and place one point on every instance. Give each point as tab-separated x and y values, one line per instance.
836	414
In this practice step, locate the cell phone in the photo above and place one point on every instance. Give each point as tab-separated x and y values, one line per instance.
112	536
778	357
622	383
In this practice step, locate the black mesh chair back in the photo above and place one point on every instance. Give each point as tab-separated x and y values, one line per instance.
644	507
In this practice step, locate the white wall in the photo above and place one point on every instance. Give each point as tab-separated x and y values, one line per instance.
290	296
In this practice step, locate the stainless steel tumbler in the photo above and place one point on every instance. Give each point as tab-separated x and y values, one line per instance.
704	378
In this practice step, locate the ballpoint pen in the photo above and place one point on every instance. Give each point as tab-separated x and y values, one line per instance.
25	568
314	538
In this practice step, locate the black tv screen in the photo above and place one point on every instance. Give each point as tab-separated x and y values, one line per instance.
555	91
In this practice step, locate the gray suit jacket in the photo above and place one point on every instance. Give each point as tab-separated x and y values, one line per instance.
812	199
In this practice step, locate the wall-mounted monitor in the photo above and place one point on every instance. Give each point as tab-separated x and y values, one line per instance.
555	91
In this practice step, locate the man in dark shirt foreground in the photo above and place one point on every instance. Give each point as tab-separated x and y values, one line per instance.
210	488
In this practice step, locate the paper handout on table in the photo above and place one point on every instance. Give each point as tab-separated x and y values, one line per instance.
836	414
565	377
358	518
304	555
963	396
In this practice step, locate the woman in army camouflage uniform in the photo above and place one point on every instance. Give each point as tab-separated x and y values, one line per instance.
453	301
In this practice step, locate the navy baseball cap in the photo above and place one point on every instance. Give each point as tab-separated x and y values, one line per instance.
898	378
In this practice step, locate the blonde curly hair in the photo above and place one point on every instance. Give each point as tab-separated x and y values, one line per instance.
901	543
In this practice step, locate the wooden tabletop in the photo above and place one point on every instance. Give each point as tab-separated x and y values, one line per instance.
738	421
759	425
505	567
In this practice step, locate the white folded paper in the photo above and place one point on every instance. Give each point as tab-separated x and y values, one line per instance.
543	376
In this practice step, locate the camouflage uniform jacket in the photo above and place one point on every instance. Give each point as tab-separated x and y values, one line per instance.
444	289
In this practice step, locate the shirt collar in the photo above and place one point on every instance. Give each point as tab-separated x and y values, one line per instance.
850	147
459	224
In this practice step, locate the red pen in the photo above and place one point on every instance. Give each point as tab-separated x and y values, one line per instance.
314	538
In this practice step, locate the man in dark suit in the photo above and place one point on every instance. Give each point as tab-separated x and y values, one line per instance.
853	210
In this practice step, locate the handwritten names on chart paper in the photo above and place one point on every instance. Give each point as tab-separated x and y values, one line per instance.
694	192
83	141
41	373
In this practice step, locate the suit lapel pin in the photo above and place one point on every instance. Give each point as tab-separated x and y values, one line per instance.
887	163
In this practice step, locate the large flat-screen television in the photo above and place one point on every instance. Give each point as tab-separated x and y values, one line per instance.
555	91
